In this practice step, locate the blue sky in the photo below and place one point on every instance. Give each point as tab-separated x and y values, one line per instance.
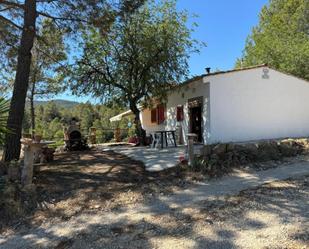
223	25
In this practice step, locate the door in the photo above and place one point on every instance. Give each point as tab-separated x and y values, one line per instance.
196	121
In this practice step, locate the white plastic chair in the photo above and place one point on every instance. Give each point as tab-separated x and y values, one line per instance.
156	140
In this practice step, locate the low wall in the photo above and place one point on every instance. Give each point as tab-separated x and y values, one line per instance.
218	159
242	153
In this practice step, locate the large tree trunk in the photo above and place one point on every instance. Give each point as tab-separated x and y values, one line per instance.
16	113
141	133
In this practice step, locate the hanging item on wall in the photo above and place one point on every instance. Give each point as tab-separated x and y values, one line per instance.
153	115
180	114
161	116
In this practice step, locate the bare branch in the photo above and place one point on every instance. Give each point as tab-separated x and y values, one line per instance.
8	3
103	74
7	8
10	22
60	18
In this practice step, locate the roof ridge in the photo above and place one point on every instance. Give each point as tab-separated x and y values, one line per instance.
238	69
197	77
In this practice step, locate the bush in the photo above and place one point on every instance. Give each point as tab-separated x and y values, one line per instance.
212	166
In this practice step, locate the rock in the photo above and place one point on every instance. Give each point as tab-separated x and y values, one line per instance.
251	151
219	149
239	148
268	151
230	147
287	149
206	150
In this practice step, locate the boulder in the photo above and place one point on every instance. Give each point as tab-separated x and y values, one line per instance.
268	151
230	147
251	151
206	150
289	148
219	149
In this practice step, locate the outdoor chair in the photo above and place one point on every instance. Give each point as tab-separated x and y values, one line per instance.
156	140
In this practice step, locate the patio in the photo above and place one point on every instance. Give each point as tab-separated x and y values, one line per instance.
153	159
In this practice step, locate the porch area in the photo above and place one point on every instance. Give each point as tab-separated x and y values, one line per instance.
153	159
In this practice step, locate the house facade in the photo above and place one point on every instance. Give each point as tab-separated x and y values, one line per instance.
234	106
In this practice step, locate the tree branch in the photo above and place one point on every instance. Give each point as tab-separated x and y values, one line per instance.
7	8
60	18
18	5
10	22
110	82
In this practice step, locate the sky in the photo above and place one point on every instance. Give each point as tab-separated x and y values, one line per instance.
223	25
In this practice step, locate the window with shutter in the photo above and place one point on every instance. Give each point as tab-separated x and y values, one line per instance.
153	115
180	113
161	117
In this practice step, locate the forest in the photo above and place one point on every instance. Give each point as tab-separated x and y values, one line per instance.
51	116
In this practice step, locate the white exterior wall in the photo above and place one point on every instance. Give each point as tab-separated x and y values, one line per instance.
181	97
245	106
149	127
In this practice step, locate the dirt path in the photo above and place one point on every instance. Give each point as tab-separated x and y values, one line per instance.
110	202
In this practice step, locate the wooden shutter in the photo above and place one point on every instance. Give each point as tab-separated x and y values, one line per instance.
161	117
153	115
180	113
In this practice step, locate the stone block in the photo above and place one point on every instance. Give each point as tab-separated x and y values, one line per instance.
268	151
206	150
219	149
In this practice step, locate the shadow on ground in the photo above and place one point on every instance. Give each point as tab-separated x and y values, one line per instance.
87	201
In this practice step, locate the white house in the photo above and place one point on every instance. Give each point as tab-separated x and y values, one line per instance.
233	106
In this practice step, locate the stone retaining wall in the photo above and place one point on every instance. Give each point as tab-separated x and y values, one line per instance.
242	153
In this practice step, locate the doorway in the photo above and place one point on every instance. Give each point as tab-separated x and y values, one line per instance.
196	110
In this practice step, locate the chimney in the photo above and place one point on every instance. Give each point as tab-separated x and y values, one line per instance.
207	70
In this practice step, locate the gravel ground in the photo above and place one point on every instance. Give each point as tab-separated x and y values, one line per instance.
274	215
95	204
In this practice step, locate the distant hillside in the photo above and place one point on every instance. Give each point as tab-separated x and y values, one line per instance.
59	102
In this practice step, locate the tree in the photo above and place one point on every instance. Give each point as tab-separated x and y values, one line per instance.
47	72
50	112
18	21
4	108
281	38
143	55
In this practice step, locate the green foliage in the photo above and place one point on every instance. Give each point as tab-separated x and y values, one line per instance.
139	58
47	73
281	38
48	69
132	131
50	111
4	108
50	118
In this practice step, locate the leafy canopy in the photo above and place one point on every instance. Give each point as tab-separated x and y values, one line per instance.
140	57
49	61
48	64
281	38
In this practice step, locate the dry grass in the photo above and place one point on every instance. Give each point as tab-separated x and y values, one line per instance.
92	180
88	200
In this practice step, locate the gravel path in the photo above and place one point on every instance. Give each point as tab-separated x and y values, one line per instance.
230	184
203	216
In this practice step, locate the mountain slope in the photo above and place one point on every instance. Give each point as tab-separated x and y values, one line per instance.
59	102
